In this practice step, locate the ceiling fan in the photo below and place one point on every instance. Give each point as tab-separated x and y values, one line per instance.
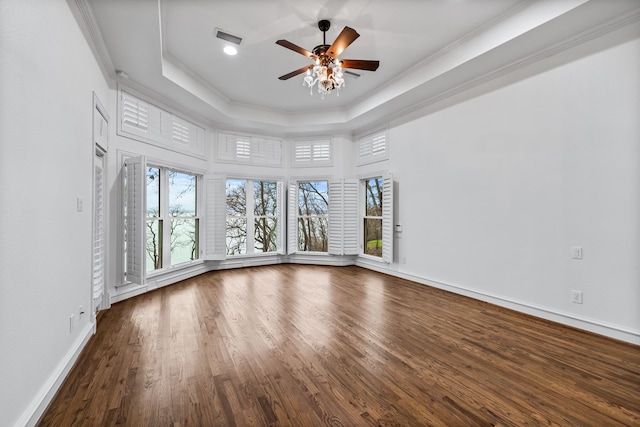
327	68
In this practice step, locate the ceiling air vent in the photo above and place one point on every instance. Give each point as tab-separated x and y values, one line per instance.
228	37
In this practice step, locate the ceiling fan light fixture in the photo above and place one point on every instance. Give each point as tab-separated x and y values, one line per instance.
328	77
327	70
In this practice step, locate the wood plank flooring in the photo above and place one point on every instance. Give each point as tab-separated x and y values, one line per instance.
292	345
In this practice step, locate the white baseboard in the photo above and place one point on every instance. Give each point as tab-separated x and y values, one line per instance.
40	402
591	325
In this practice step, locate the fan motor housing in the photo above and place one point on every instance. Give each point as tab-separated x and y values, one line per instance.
324	25
320	49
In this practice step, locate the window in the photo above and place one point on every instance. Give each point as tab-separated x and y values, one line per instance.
312	153
183	219
146	122
174	208
377	217
153	247
244	149
162	228
253	216
373	148
372	227
313	216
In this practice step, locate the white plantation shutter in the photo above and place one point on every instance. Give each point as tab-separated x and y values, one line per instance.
350	217
215	218
158	123
243	149
280	212
226	147
302	152
292	218
146	122
180	131
136	175
365	148
343	217
378	143
335	217
373	148
387	218
322	151
266	151
134	115
98	230
312	153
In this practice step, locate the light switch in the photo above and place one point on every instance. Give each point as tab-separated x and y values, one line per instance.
79	204
576	252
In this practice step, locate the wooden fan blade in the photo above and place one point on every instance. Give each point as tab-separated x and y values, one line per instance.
296	72
346	37
360	64
296	48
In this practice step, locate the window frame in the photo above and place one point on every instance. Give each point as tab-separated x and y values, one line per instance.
387	216
364	197
293	215
308	153
373	147
250	216
165	217
135	251
148	121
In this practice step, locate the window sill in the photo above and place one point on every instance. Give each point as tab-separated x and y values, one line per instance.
371	258
174	268
310	253
258	255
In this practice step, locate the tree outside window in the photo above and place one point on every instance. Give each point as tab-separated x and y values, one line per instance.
252	216
171	199
183	223
154	222
236	217
313	220
265	203
372	227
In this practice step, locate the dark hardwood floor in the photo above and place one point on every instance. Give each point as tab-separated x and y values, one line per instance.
298	346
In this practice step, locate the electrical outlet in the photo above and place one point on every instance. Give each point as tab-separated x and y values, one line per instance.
72	323
576	297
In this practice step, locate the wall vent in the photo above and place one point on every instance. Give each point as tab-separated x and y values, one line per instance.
228	37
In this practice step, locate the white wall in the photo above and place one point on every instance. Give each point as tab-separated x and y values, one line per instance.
47	78
493	192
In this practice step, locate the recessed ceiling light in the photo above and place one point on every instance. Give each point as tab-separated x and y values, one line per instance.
230	50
